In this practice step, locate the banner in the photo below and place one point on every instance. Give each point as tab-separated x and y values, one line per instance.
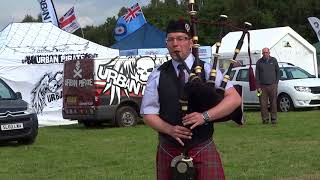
315	23
41	87
129	22
48	12
68	22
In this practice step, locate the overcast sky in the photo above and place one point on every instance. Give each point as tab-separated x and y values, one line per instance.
88	12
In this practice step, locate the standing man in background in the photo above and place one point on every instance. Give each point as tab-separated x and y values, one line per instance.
267	78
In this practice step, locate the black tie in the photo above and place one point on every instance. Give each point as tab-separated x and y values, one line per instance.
181	75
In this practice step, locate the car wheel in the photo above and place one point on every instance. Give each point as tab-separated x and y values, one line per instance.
126	116
285	103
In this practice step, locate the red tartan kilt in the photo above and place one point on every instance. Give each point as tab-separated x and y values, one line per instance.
207	163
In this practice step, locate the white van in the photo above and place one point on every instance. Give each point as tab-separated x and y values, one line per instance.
106	90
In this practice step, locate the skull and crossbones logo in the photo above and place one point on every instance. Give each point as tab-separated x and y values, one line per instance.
77	71
145	66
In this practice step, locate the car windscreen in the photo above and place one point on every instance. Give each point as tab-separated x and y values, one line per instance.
232	74
295	73
243	75
5	92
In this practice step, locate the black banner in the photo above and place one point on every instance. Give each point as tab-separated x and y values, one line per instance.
56	59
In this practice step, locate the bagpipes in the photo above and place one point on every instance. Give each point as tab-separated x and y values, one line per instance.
199	94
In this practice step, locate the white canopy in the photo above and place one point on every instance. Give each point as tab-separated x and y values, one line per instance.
284	43
20	41
259	39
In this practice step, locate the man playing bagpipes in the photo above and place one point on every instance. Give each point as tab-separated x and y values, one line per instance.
186	149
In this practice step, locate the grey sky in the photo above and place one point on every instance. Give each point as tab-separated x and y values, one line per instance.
88	12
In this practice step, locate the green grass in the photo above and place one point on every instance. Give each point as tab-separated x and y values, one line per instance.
290	150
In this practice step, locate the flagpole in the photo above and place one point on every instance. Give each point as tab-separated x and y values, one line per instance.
82	32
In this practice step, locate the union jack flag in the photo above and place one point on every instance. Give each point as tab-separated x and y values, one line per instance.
132	13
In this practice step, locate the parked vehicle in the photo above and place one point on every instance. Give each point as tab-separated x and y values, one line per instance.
106	90
18	121
296	88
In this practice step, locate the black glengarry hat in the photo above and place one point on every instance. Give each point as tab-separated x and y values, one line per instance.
179	26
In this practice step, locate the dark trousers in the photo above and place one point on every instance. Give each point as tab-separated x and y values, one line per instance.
269	94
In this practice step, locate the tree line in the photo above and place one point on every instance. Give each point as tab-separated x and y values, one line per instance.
261	13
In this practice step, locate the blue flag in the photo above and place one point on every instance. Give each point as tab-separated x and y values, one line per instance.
129	22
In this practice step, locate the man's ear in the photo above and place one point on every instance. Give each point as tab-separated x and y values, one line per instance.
191	43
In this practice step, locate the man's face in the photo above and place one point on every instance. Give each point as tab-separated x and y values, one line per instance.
180	43
265	53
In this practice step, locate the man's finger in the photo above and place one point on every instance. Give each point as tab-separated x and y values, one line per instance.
179	140
194	125
187	122
183	130
184	136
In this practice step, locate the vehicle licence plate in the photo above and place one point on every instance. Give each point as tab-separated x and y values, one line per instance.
6	127
72	99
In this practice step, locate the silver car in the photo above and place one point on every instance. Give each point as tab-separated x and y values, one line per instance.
296	88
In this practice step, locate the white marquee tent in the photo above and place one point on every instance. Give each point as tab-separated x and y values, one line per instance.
31	62
284	43
21	40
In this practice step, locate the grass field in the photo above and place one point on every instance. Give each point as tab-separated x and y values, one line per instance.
288	151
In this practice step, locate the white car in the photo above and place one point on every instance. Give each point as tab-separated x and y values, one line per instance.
296	88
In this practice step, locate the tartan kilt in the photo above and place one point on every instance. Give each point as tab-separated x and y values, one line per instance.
207	163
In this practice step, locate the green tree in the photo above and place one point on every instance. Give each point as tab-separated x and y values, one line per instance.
171	3
154	3
261	13
29	18
160	16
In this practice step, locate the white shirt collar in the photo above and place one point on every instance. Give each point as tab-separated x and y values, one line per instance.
189	61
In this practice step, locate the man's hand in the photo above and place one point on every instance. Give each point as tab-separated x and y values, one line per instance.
180	132
194	119
259	92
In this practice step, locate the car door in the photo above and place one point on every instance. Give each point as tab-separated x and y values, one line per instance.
249	97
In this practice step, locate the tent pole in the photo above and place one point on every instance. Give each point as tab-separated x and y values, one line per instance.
82	32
